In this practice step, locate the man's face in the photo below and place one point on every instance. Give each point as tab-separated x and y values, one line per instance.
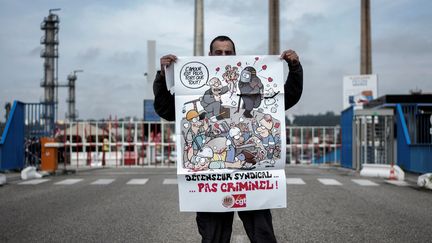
222	48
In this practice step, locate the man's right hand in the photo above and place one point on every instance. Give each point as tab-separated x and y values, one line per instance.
165	61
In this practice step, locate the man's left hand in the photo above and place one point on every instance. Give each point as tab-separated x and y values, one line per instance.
290	57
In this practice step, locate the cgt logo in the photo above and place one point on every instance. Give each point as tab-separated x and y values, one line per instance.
234	201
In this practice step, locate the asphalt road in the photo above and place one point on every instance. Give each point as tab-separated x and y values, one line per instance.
115	211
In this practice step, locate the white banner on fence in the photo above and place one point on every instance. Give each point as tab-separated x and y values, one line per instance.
230	124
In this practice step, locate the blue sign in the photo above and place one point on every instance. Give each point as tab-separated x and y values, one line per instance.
149	111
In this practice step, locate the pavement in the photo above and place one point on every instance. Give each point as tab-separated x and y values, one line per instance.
16	176
324	204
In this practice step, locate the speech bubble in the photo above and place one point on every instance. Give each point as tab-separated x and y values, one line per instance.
194	75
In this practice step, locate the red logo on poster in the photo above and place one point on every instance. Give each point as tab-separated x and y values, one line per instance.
239	200
234	201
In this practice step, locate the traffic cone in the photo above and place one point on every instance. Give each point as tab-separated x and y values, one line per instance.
392	173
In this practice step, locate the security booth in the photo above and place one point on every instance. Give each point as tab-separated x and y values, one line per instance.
391	128
373	137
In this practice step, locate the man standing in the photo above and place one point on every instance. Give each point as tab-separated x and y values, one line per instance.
217	227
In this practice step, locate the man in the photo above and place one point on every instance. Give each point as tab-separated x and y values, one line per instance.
217	227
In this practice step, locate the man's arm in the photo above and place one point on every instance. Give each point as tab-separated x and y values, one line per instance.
164	101
293	87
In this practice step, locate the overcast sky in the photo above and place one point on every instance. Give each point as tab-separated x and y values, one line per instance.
108	40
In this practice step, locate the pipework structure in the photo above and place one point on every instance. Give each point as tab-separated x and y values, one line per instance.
72	113
50	40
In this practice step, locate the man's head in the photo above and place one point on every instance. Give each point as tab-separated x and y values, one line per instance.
222	46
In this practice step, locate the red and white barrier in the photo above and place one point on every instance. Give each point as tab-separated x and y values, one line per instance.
393	172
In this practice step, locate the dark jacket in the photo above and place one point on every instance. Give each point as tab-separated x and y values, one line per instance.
164	100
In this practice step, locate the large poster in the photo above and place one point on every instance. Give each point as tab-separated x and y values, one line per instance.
359	90
230	125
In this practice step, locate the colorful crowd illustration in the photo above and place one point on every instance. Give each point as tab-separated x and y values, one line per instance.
232	125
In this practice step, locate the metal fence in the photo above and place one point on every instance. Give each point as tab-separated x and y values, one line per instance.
138	143
373	137
116	143
37	122
307	145
418	120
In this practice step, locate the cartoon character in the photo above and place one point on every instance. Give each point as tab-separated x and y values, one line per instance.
219	148
201	160
264	133
212	100
235	138
248	159
219	129
231	76
251	90
196	134
219	152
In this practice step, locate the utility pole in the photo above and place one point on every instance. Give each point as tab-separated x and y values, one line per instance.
274	27
199	28
365	39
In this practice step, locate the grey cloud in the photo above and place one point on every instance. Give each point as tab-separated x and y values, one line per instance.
89	54
249	10
125	57
299	40
407	44
35	51
305	20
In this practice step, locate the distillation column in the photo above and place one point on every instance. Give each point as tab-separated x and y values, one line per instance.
50	25
72	113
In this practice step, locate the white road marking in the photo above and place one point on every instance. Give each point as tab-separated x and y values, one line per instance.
68	182
102	182
364	182
169	181
33	182
295	181
329	182
137	181
397	183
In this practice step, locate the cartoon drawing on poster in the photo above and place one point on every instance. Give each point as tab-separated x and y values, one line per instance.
232	124
232	120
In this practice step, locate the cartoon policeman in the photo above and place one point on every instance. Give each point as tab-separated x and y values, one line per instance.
251	90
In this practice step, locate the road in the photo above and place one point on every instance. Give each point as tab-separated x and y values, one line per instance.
325	204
